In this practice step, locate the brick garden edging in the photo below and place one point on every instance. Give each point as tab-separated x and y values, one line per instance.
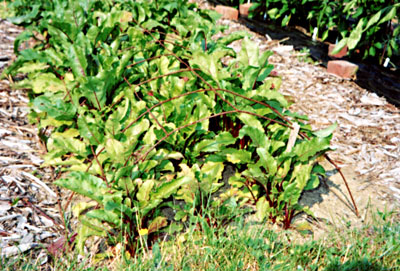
341	53
244	9
227	12
342	68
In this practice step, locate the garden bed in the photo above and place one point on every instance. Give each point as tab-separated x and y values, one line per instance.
367	138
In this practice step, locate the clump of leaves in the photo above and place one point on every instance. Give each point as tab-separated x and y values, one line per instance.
141	114
369	28
377	35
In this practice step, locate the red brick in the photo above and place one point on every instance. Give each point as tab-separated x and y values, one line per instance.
227	12
341	53
342	68
244	9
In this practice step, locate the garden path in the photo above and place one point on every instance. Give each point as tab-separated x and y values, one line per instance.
29	213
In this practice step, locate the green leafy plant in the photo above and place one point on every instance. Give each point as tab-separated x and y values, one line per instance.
373	33
369	29
139	114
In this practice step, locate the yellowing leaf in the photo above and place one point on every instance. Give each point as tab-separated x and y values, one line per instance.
158	223
237	156
115	149
126	17
47	82
32	67
81	206
143	194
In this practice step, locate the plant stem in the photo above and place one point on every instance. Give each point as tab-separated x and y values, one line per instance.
345	182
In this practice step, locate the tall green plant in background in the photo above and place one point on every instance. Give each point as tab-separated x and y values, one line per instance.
369	28
139	114
376	32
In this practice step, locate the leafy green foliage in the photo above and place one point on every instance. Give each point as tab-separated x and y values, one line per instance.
373	33
367	27
143	113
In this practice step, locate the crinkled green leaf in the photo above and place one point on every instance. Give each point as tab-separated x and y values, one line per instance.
211	172
308	148
238	35
94	89
107	216
210	64
211	145
251	120
27	17
258	138
236	156
267	161
301	175
111	205
164	191
115	149
47	82
374	19
84	184
77	56
390	15
58	109
249	55
150	24
312	183
355	35
271	94
341	44
143	194
31	67
290	193
90	131
66	142
263	209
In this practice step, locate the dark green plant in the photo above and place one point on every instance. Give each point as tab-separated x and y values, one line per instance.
376	35
370	29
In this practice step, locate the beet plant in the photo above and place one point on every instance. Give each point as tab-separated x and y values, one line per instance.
139	114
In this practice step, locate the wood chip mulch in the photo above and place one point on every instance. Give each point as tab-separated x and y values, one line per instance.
29	213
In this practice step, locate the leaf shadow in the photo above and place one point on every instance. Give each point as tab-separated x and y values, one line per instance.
326	187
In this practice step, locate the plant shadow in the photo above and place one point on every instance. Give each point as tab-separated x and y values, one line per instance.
327	186
311	197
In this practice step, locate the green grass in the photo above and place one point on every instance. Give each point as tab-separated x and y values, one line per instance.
252	246
376	246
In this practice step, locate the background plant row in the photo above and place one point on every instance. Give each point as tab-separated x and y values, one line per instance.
133	101
369	28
